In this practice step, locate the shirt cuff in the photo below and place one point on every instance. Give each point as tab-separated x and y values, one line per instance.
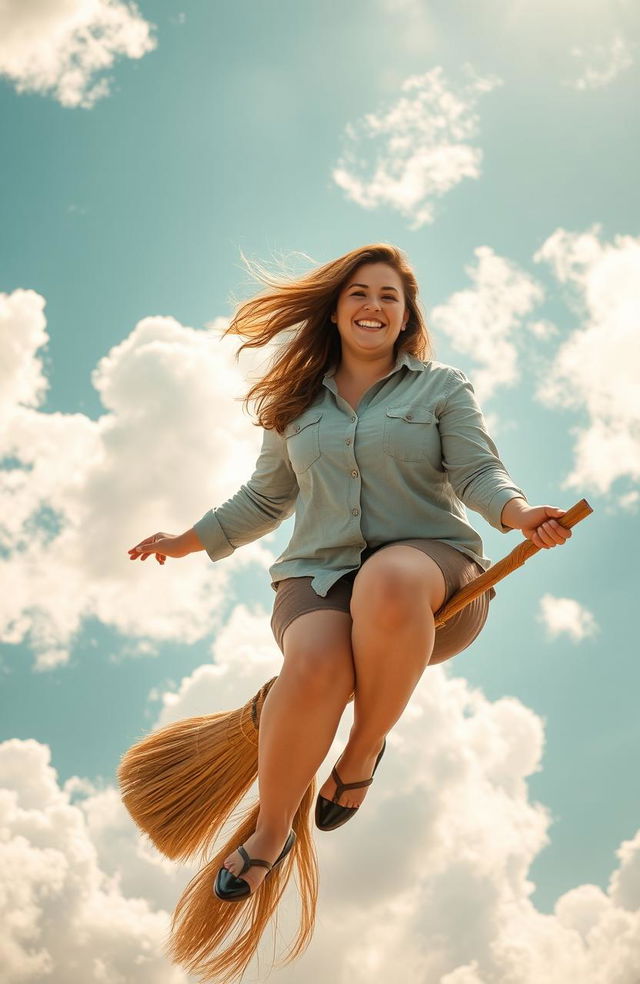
213	537
497	504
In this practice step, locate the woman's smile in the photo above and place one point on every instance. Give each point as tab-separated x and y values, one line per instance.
368	325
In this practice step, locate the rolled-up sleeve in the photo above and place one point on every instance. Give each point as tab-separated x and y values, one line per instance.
470	457
257	508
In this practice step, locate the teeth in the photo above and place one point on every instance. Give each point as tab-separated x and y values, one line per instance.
369	324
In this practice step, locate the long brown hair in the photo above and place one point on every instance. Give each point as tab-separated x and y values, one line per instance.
304	304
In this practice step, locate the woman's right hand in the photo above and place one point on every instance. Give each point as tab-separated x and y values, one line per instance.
163	545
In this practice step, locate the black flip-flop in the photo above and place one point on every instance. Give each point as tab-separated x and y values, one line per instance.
232	888
329	813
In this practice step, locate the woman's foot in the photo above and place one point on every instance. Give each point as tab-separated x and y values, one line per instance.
352	767
262	844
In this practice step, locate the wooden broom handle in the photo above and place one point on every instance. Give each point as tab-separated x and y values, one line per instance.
498	571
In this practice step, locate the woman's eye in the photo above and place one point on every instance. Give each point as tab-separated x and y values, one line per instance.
359	293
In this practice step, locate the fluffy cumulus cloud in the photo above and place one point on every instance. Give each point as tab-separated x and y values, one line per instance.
430	883
75	493
596	370
66	916
23	333
409	153
244	656
566	616
62	47
483	321
599	64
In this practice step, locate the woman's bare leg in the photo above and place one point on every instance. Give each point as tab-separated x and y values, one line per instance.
394	597
298	722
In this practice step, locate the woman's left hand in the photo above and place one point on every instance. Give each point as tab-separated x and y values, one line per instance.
538	525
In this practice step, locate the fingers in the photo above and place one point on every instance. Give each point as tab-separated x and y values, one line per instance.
140	551
549	534
137	553
145	549
134	554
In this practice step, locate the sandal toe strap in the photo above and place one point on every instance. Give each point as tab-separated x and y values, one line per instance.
341	786
249	861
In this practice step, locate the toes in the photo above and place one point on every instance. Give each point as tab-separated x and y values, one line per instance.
230	864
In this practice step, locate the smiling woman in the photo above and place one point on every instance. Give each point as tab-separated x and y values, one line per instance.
377	449
372	284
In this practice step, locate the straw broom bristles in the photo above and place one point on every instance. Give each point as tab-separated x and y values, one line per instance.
181	783
202	923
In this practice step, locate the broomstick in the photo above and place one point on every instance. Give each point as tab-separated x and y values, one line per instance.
181	783
506	566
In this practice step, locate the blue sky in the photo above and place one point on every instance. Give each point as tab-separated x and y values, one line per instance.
495	143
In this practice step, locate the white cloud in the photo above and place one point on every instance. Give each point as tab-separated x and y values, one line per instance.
625	882
415	150
542	329
482	321
75	493
61	47
567	616
23	332
245	655
432	882
600	64
65	917
596	370
629	501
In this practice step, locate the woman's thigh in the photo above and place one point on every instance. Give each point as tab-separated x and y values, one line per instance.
296	597
458	570
317	651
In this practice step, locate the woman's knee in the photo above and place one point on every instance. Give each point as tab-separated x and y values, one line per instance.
388	605
394	583
318	657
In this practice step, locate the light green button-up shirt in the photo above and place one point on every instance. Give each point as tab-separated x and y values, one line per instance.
404	465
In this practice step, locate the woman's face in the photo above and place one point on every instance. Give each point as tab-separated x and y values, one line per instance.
372	294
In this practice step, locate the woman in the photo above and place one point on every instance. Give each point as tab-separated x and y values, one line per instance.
375	447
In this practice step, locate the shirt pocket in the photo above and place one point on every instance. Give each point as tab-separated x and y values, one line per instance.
410	433
303	440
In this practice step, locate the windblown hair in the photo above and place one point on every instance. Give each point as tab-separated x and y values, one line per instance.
304	305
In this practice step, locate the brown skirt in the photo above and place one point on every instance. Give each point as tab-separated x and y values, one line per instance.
295	596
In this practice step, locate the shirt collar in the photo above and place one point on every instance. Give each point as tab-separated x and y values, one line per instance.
402	359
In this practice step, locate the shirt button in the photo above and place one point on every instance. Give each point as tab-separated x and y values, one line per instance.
353	418
354	473
297	427
409	416
355	511
348	441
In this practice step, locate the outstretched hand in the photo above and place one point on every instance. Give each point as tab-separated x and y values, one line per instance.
163	545
539	525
